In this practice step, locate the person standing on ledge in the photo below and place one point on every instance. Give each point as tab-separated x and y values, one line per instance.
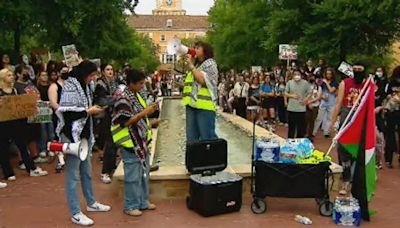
200	94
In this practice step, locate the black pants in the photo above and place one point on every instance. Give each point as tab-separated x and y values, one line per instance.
393	123
281	109
297	124
241	107
311	115
110	150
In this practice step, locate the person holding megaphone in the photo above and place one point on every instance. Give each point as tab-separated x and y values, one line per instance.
75	125
200	93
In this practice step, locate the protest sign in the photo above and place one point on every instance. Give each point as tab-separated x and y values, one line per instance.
70	55
287	52
17	107
346	69
44	114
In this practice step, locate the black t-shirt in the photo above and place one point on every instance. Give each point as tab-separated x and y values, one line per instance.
382	92
43	92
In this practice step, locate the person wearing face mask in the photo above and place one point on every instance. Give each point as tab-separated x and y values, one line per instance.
312	106
297	93
32	134
348	92
54	94
25	61
381	93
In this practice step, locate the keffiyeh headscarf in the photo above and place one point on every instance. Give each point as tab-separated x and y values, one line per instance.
74	99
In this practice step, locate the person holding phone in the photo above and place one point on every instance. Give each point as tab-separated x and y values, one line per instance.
131	131
75	123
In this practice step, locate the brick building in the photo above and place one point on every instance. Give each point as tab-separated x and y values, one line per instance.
169	20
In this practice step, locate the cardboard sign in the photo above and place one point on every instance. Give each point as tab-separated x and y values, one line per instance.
346	69
287	52
256	69
44	115
17	107
70	55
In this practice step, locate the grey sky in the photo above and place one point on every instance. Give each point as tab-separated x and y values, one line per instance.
192	7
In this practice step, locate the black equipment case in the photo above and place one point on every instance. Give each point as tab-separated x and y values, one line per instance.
211	192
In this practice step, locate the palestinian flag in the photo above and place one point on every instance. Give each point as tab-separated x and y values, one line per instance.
358	138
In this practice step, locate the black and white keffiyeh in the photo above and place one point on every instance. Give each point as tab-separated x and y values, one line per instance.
74	99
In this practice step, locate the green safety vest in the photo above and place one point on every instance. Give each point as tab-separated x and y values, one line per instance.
204	100
121	135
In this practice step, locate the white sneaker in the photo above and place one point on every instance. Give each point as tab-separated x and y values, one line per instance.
3	185
12	178
105	178
43	154
98	207
51	154
82	219
40	160
22	166
38	172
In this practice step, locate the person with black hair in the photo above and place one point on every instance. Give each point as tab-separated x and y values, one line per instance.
5	63
392	117
200	94
131	131
75	112
348	92
103	96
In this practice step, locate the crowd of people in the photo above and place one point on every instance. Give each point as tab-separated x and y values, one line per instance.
309	99
114	107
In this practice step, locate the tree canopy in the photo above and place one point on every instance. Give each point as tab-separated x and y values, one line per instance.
98	28
248	33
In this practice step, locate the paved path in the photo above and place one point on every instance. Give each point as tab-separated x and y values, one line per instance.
40	202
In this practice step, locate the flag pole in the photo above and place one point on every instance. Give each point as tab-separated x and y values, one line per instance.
352	110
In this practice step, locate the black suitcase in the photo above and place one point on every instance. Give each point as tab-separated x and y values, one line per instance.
211	192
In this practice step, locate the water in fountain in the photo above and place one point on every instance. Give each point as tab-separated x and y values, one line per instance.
171	139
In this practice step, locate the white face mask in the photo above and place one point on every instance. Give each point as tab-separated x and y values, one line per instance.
297	77
379	74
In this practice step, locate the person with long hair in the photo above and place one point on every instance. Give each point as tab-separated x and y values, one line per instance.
348	92
54	94
75	112
254	101
200	94
268	102
103	96
280	100
11	131
327	96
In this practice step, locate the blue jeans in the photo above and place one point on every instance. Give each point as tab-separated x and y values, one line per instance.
136	181
46	135
200	125
76	168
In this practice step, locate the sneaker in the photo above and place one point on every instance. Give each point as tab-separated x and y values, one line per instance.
98	207
327	136
12	178
38	172
389	165
52	154
40	160
135	212
81	219
59	168
43	154
105	178
3	185
150	206
22	166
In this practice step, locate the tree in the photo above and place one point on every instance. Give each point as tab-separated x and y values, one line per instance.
238	32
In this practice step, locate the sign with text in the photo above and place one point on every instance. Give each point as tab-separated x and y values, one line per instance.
287	51
346	69
17	107
70	55
44	115
256	69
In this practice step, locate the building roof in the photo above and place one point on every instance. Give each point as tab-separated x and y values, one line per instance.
160	22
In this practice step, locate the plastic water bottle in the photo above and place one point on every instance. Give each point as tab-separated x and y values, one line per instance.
303	220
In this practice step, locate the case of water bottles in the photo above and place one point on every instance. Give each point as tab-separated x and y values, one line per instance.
211	191
267	150
346	211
